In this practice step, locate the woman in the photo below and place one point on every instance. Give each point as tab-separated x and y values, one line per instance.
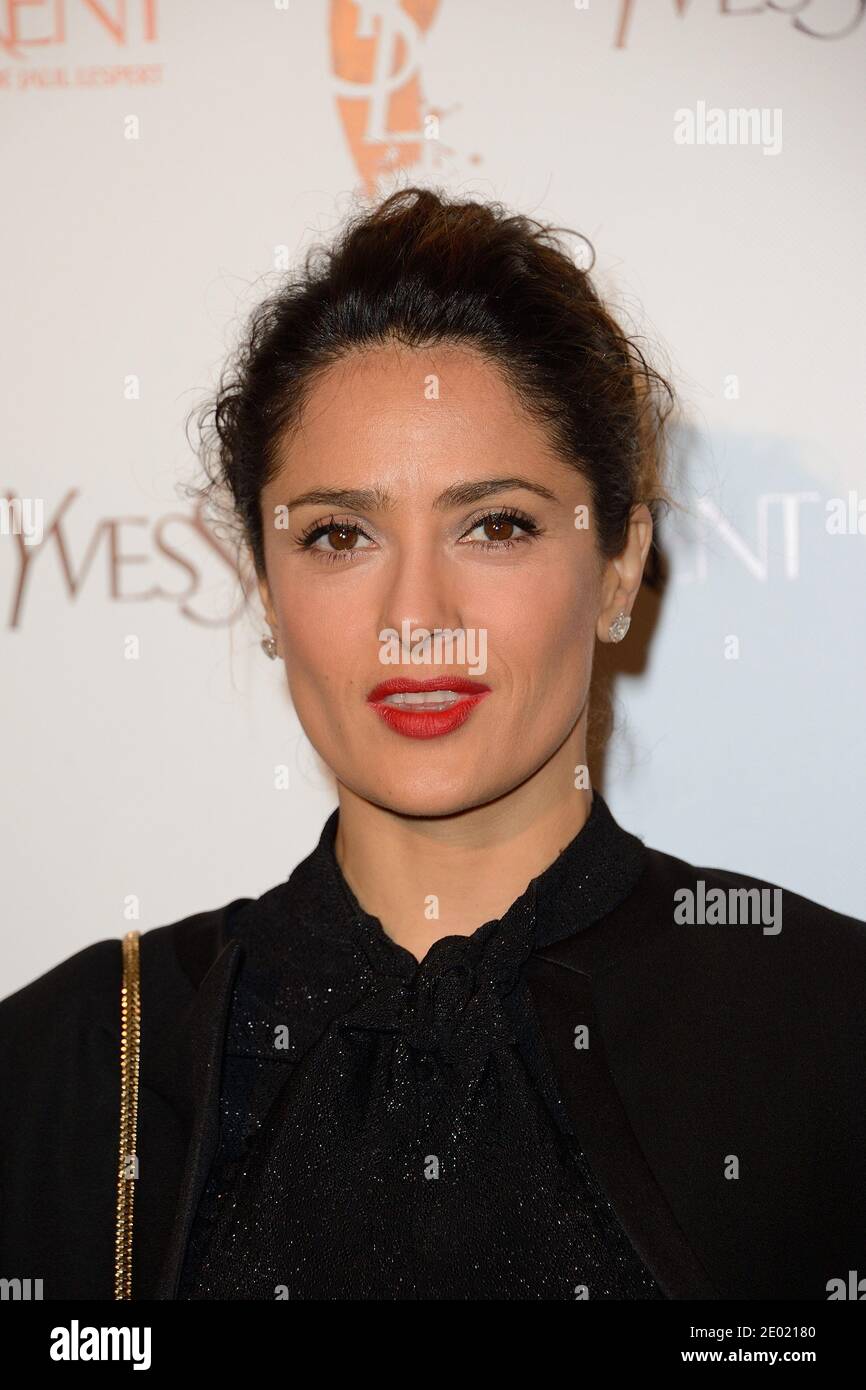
483	1043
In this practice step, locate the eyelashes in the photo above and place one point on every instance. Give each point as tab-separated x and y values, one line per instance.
502	517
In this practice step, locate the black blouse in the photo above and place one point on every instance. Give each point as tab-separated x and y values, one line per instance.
392	1129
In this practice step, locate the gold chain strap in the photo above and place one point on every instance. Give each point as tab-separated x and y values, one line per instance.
127	1164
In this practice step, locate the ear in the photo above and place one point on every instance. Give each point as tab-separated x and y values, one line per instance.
267	603
623	574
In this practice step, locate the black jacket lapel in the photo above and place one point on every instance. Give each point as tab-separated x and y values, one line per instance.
563	999
199	1065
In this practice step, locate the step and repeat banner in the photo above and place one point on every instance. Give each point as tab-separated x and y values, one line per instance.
167	162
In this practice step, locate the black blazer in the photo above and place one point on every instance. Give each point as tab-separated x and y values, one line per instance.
708	1042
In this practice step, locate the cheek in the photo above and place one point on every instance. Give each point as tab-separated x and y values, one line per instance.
540	625
542	628
317	629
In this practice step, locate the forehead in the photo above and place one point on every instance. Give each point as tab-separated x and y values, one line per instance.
393	404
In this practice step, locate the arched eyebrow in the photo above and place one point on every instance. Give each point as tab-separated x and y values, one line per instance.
375	499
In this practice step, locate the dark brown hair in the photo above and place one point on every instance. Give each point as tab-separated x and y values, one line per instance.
423	268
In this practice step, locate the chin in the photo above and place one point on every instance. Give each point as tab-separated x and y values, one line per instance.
428	796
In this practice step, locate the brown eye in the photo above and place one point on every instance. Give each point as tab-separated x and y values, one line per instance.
335	540
342	537
498	528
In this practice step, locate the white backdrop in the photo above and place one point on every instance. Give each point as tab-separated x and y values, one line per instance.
164	160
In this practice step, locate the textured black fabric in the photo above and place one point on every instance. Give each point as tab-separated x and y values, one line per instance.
706	1041
392	1129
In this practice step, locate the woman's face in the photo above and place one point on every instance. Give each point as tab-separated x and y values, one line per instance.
439	446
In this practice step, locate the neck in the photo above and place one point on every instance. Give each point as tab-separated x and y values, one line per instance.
474	863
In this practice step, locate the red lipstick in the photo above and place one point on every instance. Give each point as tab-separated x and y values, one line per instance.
430	718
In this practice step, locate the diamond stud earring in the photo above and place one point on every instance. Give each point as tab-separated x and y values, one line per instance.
269	647
619	627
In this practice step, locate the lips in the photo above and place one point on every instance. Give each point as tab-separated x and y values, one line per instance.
426	708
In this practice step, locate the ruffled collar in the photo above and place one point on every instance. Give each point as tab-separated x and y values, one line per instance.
310	932
590	877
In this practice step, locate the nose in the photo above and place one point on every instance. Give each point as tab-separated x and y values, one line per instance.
420	591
